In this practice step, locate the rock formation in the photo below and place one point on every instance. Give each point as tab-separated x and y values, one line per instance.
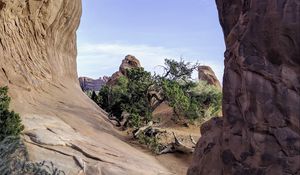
89	84
260	131
205	73
62	125
128	62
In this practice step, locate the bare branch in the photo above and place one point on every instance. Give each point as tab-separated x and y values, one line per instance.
192	140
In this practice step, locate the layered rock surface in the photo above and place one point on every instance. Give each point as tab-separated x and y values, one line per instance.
260	131
205	73
38	64
89	84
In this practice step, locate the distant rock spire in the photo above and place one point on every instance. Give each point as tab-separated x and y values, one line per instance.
205	73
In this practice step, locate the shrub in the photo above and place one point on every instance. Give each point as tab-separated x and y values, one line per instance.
103	97
193	101
176	97
94	97
10	122
209	99
112	98
139	82
13	153
151	142
134	120
176	87
178	70
13	160
130	95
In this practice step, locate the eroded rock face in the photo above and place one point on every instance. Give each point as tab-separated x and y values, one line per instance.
205	73
62	125
89	84
260	133
127	63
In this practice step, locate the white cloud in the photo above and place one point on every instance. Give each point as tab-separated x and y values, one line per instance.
96	60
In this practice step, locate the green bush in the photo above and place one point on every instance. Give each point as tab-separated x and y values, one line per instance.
103	97
10	122
112	98
209	99
13	153
193	101
188	99
178	70
176	97
135	120
13	160
151	142
194	111
130	95
95	97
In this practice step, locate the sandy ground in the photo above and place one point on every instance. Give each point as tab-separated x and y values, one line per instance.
177	163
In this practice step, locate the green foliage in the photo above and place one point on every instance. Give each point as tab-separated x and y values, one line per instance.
4	99
179	70
10	122
104	97
95	97
130	95
13	160
176	97
209	99
118	97
193	112
139	82
151	142
112	98
135	120
188	99
192	100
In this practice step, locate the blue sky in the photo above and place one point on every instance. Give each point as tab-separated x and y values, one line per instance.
151	30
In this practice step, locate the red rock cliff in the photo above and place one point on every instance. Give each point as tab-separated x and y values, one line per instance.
260	131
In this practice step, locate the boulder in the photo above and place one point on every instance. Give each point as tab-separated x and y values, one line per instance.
127	63
205	73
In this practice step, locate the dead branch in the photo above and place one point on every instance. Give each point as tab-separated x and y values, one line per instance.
176	146
113	118
192	140
142	129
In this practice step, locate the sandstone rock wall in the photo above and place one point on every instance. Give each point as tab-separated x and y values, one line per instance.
38	64
260	131
38	41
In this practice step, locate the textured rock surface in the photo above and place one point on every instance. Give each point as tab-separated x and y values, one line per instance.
89	84
38	63
260	132
128	62
205	73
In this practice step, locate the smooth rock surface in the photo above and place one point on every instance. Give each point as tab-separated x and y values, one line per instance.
205	73
62	125
260	132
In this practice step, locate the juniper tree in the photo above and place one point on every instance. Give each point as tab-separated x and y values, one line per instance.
10	122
